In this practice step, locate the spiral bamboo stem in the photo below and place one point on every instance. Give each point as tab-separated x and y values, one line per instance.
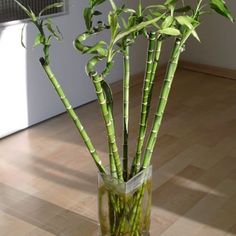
115	164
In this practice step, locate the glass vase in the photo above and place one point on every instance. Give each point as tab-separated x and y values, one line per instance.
124	208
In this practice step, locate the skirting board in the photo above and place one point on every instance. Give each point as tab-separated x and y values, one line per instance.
208	69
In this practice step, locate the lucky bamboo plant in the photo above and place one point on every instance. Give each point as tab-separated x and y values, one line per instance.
157	22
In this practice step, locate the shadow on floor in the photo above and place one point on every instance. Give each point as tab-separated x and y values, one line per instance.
44	215
195	196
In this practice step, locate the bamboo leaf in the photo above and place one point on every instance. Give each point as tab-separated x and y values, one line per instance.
157	7
113	22
140	7
27	11
22	36
88	17
167	22
155	13
124	23
98	48
169	2
129	10
154	24
51	6
136	28
94	3
220	7
185	21
38	39
195	35
56	33
170	31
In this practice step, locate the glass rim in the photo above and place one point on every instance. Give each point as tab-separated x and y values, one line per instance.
126	187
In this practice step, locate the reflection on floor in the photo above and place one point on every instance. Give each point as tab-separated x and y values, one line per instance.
48	180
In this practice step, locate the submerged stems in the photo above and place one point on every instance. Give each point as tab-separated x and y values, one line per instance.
126	82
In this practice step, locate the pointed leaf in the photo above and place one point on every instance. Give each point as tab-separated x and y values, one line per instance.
38	40
51	6
185	21
167	22
220	7
55	32
195	35
96	2
136	28
22	36
88	17
168	2
113	22
170	31
27	11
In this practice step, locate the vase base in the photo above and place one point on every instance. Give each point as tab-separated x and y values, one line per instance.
143	234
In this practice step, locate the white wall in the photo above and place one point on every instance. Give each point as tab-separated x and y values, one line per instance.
218	37
13	88
26	97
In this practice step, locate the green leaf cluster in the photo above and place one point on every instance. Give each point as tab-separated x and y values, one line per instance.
41	24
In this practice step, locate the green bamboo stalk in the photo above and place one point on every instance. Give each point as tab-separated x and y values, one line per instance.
72	115
142	126
126	82
97	79
171	69
114	159
113	170
154	70
150	92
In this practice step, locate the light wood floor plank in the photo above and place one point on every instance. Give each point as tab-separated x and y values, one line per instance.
48	180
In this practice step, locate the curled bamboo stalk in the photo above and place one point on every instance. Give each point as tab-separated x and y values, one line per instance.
115	164
97	80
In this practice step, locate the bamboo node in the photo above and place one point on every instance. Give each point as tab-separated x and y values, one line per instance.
92	151
99	91
102	102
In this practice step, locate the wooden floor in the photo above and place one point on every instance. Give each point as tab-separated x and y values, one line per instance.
48	181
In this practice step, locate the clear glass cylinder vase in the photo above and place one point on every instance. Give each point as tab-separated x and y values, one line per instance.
124	208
